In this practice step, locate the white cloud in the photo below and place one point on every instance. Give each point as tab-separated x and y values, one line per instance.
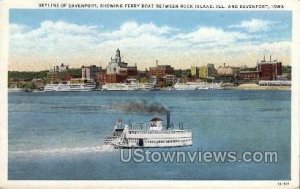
133	29
17	28
56	37
211	36
55	42
254	25
60	26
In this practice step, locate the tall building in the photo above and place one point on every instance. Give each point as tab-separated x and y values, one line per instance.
203	72
207	72
269	70
211	71
90	72
117	71
195	71
116	66
102	77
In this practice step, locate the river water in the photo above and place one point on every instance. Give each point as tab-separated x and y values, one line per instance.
60	135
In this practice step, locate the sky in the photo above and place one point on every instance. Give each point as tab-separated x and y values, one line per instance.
41	39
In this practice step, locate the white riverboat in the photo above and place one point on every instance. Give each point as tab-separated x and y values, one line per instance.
185	86
67	87
149	135
130	85
197	86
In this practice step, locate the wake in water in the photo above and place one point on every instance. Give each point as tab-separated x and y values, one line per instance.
62	151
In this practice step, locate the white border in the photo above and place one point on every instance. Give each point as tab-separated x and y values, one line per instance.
293	5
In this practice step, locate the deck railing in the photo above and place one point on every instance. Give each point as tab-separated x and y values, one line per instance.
158	132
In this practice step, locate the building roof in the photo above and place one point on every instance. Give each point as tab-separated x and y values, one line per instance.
268	62
161	66
156	119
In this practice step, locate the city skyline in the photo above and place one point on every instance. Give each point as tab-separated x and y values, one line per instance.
40	39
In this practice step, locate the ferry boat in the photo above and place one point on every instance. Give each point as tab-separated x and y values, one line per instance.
197	86
184	86
152	134
66	87
130	85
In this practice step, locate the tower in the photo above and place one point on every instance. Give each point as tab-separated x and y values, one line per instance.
118	55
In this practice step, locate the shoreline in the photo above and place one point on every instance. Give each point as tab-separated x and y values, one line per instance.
258	87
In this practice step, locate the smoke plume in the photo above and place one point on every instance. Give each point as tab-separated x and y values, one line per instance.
140	106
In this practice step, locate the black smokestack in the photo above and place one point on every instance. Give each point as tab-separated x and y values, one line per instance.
168	120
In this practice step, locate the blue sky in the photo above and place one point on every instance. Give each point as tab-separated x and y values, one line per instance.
111	19
208	33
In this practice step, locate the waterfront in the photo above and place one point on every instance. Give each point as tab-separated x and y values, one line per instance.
60	135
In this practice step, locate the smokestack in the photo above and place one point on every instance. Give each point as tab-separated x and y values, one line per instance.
270	58
156	62
224	64
168	120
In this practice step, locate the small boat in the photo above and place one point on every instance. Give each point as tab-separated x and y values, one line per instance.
152	134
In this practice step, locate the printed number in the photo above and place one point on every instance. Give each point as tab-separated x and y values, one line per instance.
283	183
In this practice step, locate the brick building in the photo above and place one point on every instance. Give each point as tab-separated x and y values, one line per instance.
161	70
265	70
163	74
269	70
132	71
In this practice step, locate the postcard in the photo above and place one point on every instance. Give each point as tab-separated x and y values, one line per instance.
149	94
